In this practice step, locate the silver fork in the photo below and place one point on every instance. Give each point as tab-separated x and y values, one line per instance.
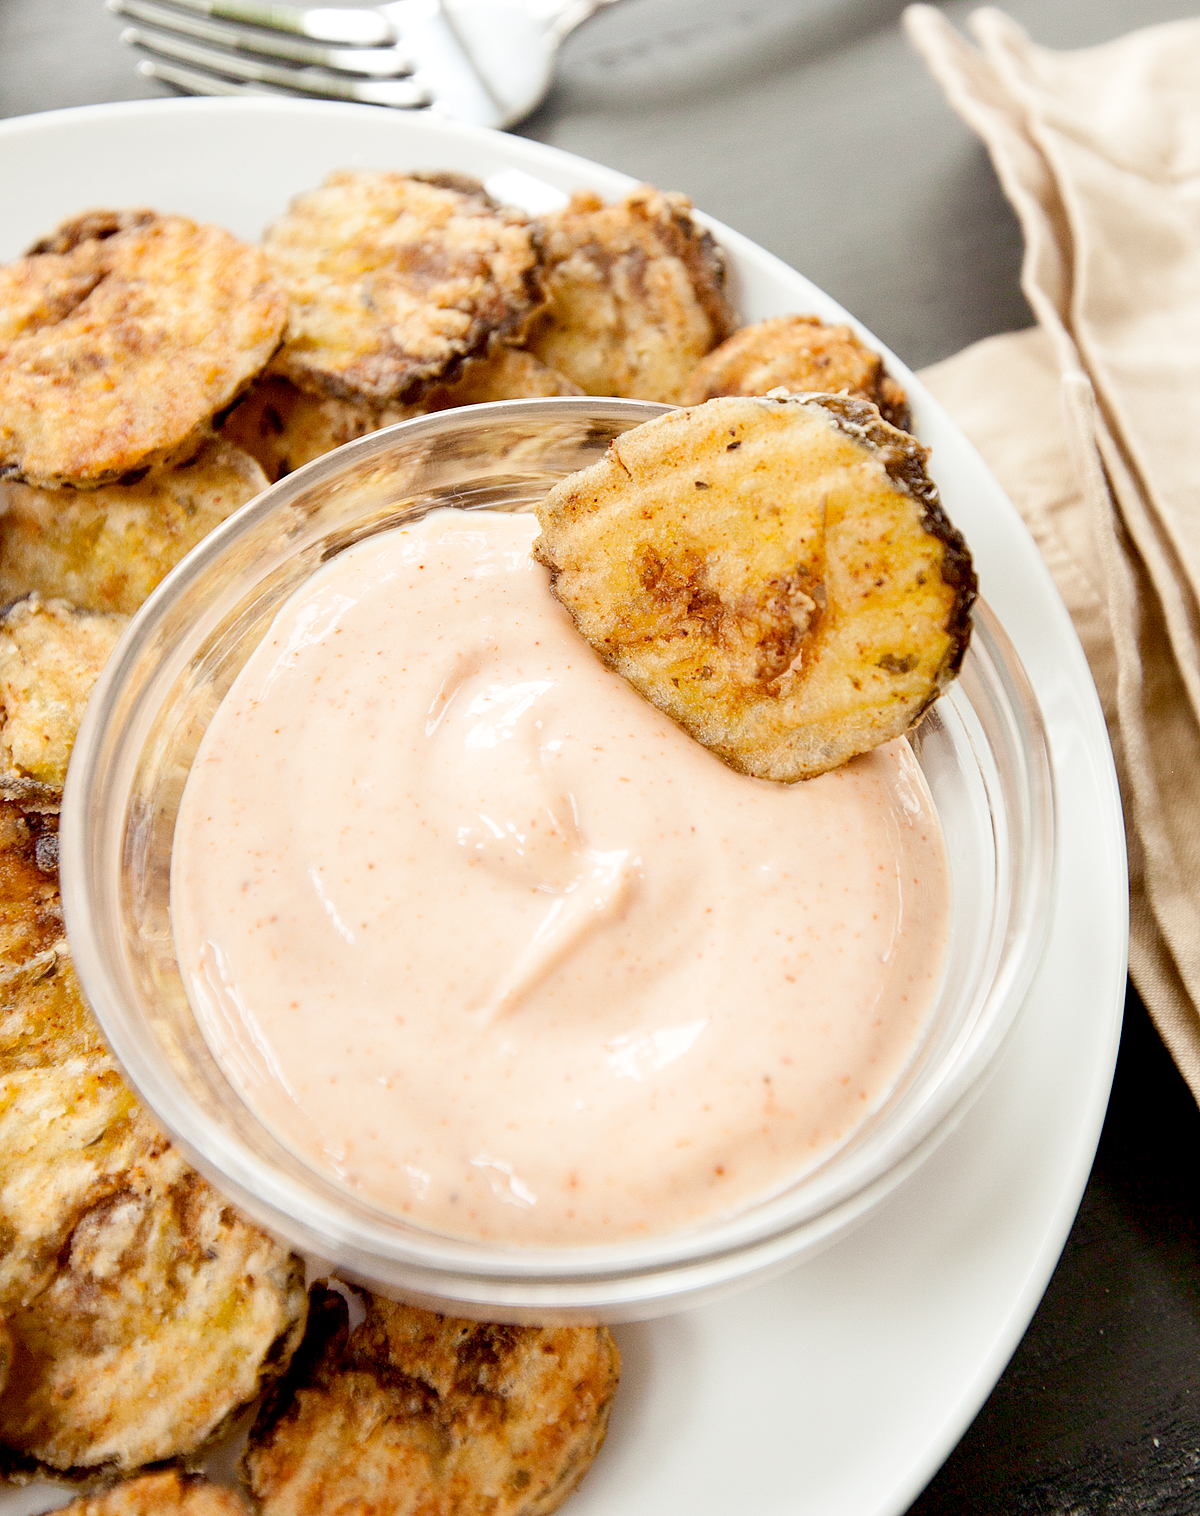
488	62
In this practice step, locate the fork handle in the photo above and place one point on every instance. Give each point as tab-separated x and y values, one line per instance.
349	28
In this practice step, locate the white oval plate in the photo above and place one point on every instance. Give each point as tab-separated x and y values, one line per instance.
838	1389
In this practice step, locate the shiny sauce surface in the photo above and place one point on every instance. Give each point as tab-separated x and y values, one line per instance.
478	931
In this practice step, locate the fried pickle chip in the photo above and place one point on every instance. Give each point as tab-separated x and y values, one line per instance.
143	1312
415	1414
797	353
506	373
169	1493
67	1121
121	339
393	278
776	574
165	1314
71	1131
93	226
31	923
105	549
283	428
50	656
637	295
65	1116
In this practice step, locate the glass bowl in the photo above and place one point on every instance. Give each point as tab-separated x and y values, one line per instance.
982	748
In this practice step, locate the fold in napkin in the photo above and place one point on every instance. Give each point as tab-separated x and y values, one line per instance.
1092	420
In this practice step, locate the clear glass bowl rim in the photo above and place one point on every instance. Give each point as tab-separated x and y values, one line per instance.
616	1281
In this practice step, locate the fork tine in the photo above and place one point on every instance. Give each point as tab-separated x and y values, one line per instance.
195	82
407	94
371	62
348	28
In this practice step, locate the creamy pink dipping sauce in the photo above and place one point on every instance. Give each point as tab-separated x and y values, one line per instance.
476	929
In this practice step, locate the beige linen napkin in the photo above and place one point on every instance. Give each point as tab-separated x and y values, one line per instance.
1092	421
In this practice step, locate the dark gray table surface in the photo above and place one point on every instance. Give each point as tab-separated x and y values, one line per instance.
809	125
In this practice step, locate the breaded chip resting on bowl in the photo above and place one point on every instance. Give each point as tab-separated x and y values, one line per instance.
777	575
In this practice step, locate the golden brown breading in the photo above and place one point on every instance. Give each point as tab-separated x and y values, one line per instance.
93	226
506	373
168	1493
165	1313
415	1414
67	1122
143	1311
71	1132
114	350
105	549
284	428
637	295
393	278
31	924
777	575
50	656
797	353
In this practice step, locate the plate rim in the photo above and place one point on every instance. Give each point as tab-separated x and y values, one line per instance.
1075	1164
